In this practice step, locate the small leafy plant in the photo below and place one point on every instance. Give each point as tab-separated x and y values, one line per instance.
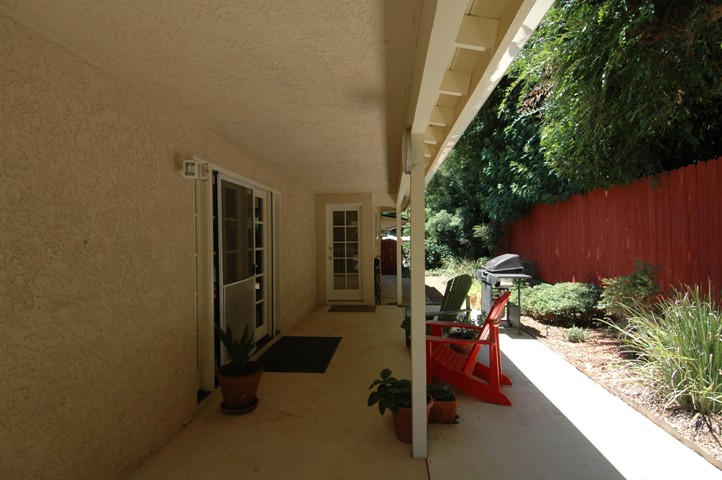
460	331
391	393
576	335
442	393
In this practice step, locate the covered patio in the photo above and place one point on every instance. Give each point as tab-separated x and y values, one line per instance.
561	425
290	112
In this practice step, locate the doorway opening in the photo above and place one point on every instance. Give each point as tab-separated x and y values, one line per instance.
236	231
344	250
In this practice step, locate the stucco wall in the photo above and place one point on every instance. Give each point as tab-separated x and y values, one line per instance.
368	239
96	264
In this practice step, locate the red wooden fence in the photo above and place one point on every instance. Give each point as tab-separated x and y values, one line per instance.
672	220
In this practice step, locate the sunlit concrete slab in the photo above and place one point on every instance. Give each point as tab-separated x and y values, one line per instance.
561	425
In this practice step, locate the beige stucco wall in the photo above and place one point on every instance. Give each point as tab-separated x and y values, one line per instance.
369	234
96	264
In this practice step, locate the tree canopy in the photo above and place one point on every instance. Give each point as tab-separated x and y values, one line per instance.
605	92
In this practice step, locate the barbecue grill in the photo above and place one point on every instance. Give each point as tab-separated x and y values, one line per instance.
498	275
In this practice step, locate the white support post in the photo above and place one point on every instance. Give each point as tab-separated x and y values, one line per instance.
399	260
418	300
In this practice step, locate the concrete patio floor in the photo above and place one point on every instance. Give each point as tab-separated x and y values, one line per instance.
561	425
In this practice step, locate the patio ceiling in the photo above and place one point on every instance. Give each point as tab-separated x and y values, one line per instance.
322	88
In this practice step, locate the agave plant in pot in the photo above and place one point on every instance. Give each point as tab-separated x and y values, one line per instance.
395	395
240	376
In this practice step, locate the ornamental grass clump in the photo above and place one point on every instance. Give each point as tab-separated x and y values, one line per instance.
679	345
576	335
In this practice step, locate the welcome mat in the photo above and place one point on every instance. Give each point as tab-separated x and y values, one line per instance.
300	354
353	308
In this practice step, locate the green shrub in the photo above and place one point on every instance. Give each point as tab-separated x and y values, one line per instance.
679	345
621	293
436	254
490	234
576	335
561	302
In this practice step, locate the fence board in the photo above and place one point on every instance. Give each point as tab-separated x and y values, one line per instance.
672	220
652	246
693	221
679	238
665	228
715	202
702	221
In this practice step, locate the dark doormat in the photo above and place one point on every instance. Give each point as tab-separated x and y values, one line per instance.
300	354
353	308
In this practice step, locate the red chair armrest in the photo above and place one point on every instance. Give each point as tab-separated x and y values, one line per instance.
457	341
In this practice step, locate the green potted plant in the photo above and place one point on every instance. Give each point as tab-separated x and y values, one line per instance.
395	395
444	408
463	333
239	377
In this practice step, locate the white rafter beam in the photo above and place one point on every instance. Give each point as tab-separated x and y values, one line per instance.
455	83
434	135
477	33
441	116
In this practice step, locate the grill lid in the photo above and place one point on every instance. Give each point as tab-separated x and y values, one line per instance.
507	263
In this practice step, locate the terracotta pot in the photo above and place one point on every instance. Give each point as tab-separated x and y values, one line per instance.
462	349
443	412
402	421
239	392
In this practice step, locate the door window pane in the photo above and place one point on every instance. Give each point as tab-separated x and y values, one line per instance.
237	232
258	213
259	315
339	234
352	234
351	266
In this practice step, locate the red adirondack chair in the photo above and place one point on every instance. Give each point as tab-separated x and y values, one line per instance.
463	371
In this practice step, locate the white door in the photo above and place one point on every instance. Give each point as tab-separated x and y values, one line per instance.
343	253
